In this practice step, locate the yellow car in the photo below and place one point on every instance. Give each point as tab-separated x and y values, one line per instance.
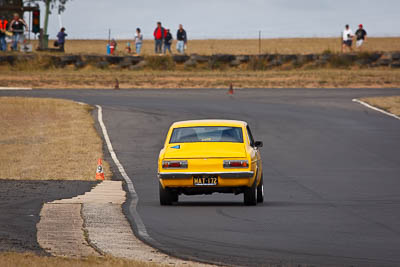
209	156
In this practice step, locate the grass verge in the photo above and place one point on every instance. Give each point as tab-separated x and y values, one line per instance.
239	46
48	139
31	260
388	103
304	78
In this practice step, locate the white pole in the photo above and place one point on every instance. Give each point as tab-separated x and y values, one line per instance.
60	20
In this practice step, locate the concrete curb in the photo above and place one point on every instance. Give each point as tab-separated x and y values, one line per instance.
375	108
93	224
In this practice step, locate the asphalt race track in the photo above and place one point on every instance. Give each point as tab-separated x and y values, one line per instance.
331	174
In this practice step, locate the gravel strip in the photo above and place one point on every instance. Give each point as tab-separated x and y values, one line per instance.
20	204
62	230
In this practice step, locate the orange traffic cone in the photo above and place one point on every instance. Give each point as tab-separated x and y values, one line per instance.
230	91
99	171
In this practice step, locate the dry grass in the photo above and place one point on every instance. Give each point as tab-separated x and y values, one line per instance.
48	139
243	46
94	78
388	103
31	260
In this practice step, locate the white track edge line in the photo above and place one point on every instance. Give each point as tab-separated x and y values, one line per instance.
142	231
15	88
376	109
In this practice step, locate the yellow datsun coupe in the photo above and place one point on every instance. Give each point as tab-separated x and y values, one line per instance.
208	156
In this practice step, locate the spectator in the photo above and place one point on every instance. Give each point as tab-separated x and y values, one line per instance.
347	39
3	28
361	36
138	41
61	39
113	46
3	43
182	39
167	42
128	47
17	28
159	35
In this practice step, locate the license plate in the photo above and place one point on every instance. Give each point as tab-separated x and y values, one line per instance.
205	180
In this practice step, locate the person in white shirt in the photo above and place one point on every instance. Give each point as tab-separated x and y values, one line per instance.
138	41
347	39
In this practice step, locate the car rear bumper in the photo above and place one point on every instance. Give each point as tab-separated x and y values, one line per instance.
189	175
225	179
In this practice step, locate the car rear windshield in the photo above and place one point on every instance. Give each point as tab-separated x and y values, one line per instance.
207	134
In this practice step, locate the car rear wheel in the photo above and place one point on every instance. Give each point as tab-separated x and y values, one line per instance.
250	195
166	196
175	197
260	191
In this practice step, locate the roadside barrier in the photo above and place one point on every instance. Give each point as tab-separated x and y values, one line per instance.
210	62
99	171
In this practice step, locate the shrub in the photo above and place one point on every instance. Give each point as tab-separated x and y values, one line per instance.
327	52
257	63
340	61
160	62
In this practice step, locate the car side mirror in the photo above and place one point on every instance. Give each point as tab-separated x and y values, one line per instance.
258	144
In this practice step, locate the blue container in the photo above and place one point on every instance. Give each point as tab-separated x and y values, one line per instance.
108	49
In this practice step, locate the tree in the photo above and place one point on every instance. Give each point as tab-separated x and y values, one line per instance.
50	5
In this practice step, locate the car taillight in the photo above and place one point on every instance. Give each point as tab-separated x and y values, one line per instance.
181	164
236	164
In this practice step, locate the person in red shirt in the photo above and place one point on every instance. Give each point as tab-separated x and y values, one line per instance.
159	35
3	28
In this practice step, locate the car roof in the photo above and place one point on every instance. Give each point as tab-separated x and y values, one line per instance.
194	123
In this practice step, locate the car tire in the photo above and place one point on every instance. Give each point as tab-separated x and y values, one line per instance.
166	196
175	197
250	195
260	191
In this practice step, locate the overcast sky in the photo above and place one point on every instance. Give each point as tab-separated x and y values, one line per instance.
203	19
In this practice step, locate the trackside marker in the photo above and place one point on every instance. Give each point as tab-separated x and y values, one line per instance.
231	91
141	228
99	171
376	109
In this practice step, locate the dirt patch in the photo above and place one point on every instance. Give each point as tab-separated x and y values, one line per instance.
31	260
318	78
48	139
389	103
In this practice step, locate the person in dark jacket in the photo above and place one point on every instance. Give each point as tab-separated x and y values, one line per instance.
61	39
182	39
167	42
159	35
361	35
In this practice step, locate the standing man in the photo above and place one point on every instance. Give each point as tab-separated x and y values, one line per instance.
182	39
347	39
3	43
3	28
17	26
159	35
361	35
61	39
